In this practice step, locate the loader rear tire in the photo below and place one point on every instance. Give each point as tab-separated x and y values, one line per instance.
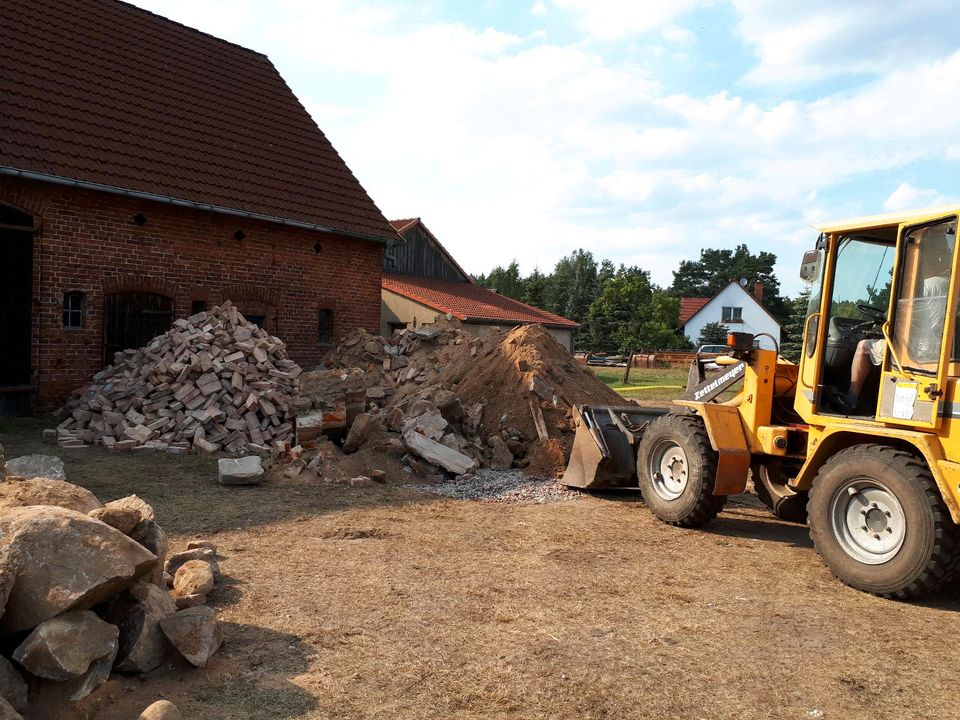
676	469
878	522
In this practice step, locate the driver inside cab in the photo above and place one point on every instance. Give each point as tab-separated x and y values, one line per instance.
933	266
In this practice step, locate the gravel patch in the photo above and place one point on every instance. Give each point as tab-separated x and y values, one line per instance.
505	486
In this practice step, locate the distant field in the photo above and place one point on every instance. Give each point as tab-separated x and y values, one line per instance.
645	384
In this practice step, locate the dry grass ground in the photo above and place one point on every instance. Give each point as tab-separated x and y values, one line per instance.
390	603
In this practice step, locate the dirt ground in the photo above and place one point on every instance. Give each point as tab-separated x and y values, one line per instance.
394	603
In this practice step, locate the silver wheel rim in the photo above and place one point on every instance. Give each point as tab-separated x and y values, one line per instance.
669	470
868	521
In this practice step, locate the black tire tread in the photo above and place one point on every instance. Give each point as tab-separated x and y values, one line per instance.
708	506
944	561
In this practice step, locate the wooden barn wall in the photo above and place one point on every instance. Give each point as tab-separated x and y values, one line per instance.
421	257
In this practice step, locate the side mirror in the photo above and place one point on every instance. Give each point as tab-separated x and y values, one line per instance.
810	267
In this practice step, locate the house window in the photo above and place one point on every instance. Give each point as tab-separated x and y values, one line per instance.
73	307
325	327
732	314
198	306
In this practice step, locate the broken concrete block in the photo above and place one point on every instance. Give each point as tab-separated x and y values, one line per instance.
366	427
430	424
240	471
36	466
500	456
432	451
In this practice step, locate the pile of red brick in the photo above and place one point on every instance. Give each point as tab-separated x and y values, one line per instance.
213	382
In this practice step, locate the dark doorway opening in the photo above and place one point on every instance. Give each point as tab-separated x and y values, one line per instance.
132	320
16	310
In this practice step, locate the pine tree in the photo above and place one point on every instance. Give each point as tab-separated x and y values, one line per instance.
791	342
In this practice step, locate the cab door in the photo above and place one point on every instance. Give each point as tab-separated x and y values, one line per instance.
919	332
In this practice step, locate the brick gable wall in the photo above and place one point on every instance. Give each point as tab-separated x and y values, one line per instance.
88	241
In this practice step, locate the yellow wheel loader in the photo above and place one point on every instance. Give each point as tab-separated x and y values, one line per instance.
861	439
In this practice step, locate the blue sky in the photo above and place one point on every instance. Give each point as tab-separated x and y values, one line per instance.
640	130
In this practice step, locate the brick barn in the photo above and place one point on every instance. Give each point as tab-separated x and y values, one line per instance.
148	171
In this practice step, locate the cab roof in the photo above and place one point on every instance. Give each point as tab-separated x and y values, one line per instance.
886	220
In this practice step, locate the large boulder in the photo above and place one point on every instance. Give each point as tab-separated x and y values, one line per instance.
154	539
202	553
7	711
161	710
21	492
13	688
54	560
67	646
194	632
134	502
194	577
137	613
121	518
36	466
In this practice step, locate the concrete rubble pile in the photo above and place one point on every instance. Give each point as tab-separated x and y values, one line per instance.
446	403
89	590
213	382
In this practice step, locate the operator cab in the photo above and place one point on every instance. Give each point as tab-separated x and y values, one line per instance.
859	269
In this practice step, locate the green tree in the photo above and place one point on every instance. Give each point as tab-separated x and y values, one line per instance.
605	273
535	289
631	313
715	268
505	281
572	288
791	342
713	333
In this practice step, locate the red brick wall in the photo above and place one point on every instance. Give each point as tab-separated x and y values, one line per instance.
88	241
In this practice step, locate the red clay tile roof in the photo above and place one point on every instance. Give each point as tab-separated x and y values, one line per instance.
104	92
401	225
468	301
690	307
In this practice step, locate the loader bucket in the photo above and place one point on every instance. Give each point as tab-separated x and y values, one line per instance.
604	448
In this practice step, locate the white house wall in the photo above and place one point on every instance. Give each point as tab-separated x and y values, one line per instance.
755	318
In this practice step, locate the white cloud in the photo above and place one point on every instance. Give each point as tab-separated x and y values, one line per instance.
800	41
614	19
907	197
539	9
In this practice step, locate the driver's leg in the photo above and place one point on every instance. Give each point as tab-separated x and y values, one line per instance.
860	368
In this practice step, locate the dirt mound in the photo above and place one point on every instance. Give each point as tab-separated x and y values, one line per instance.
526	370
503	400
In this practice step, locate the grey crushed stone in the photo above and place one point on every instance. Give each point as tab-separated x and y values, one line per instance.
502	487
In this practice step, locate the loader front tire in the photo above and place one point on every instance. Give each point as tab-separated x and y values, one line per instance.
877	520
676	469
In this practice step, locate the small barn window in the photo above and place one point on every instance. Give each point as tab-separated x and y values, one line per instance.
73	309
325	327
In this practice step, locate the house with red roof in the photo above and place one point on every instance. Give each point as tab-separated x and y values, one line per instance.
736	308
149	171
422	281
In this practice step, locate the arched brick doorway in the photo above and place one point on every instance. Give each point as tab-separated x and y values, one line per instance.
16	310
133	319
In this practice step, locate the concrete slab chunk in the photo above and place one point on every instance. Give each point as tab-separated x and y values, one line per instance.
241	471
36	466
